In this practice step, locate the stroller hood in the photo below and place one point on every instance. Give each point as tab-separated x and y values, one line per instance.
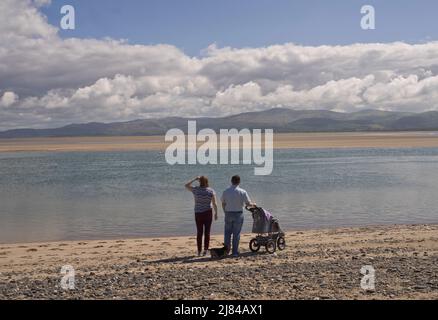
263	221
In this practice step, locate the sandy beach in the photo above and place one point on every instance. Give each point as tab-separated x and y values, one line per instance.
317	264
281	141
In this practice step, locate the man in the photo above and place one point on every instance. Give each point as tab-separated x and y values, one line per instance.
233	200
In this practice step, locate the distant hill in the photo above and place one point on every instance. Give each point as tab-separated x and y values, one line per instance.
279	119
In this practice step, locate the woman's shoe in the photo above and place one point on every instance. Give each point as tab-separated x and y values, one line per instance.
199	253
204	253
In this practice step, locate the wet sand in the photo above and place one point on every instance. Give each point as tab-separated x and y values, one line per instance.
281	141
317	264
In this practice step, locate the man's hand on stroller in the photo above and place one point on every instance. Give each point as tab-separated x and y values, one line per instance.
250	206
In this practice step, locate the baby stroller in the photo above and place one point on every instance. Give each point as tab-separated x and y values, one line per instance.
267	228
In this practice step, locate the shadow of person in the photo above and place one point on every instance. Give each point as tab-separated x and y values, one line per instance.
196	259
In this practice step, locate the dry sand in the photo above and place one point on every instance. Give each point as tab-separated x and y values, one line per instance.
317	264
281	141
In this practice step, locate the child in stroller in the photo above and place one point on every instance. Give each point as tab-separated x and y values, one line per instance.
267	228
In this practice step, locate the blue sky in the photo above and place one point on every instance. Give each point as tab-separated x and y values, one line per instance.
192	25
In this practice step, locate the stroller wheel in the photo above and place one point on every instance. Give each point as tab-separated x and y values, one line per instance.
254	245
271	246
281	243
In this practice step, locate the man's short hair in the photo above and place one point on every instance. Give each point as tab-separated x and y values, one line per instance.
235	180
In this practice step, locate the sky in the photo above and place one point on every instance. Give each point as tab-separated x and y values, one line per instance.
148	59
192	25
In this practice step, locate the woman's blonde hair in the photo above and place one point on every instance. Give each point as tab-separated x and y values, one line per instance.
203	182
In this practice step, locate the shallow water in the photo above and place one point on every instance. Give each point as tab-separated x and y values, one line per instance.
94	195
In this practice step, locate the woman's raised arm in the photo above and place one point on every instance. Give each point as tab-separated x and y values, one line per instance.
189	186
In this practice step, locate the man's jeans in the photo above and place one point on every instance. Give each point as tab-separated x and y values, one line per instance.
233	226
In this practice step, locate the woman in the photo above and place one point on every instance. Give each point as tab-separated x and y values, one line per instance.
205	197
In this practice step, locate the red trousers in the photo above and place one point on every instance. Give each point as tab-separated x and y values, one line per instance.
203	226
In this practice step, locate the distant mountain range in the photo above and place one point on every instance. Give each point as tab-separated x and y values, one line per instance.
279	119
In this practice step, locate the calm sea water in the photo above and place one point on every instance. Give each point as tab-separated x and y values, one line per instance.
94	195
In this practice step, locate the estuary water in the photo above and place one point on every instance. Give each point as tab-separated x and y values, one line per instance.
98	195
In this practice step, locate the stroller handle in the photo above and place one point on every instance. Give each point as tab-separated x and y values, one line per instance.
249	208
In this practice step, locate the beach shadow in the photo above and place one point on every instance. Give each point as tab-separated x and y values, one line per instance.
196	259
171	260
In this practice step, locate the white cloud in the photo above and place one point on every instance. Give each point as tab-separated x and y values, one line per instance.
61	81
8	99
41	3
